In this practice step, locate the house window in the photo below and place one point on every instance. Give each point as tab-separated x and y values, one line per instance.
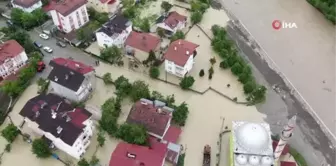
78	19
71	22
84	15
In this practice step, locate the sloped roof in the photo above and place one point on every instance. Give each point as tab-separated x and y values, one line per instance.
65	7
9	49
142	41
179	51
25	3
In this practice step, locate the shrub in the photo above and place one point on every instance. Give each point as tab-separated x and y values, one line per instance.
40	148
83	162
178	35
166	6
133	134
224	64
107	78
235	99
212	60
201	73
180	114
196	17
154	72
211	70
237	69
244	77
249	87
8	148
10	132
187	82
210	76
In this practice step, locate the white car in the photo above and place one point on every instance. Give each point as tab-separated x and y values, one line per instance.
47	49
44	36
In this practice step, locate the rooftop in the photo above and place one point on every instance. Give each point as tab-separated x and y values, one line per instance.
154	119
115	25
174	18
65	7
9	49
54	115
179	51
25	3
142	41
68	73
172	134
134	155
286	163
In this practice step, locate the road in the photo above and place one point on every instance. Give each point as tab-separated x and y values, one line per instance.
305	56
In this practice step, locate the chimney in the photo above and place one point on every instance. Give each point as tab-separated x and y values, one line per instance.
53	114
130	155
77	65
66	76
37	113
56	79
143	103
187	52
175	48
179	42
159	110
59	129
43	105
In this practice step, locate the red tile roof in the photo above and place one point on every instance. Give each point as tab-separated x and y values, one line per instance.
25	3
65	7
286	163
104	1
174	18
285	150
179	51
172	134
150	117
74	65
171	156
111	2
142	41
9	49
143	156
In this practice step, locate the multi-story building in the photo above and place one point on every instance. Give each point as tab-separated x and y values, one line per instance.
12	58
114	32
71	79
69	15
107	6
68	129
179	58
27	5
171	22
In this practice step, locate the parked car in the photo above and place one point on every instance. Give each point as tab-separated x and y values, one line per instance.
44	36
40	66
47	49
38	45
61	44
46	32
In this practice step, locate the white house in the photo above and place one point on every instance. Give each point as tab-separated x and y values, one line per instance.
107	6
114	32
68	129
69	15
71	79
179	58
27	5
12	58
171	22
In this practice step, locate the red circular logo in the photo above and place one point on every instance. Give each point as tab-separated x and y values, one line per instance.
276	24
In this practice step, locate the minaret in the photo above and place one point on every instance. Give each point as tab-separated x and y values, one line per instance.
285	135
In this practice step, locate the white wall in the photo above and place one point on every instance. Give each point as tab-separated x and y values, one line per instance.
30	9
82	93
103	39
172	68
58	19
104	7
18	61
179	26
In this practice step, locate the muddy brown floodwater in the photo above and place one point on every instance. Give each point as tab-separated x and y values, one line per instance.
306	56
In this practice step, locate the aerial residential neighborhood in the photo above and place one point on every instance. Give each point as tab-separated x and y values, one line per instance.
152	83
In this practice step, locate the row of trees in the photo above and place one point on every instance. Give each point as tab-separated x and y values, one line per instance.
226	49
21	36
28	20
327	7
198	8
16	87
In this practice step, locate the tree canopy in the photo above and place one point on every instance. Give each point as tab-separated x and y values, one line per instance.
107	78
28	20
40	148
154	72
178	35
111	54
180	114
123	86
133	134
166	6
83	162
187	82
10	132
139	90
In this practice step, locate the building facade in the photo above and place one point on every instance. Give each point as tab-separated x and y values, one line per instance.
114	32
171	22
12	58
68	129
27	5
179	58
107	6
71	79
69	15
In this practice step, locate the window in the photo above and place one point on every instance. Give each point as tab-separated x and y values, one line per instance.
84	15
71	22
78	19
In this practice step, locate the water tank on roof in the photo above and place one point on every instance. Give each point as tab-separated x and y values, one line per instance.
159	103
146	101
241	159
254	160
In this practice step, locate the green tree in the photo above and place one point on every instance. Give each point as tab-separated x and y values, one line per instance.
211	70
101	139
128	3
16	15
12	88
102	17
109	107
161	32
139	90
10	132
224	64
154	72
123	86
41	148
145	25
133	134
244	77
112	54
212	60
130	12
197	6
201	73
108	123
210	76
178	35
232	60
259	93
45	2
196	17
166	6
83	162
94	161
187	82
107	78
249	87
40	16
23	38
151	57
8	147
237	69
180	114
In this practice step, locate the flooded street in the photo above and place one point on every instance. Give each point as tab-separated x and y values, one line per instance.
305	55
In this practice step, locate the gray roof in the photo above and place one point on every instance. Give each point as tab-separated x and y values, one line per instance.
115	25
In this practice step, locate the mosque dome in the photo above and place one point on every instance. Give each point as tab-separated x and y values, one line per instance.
253	137
241	159
254	160
266	161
